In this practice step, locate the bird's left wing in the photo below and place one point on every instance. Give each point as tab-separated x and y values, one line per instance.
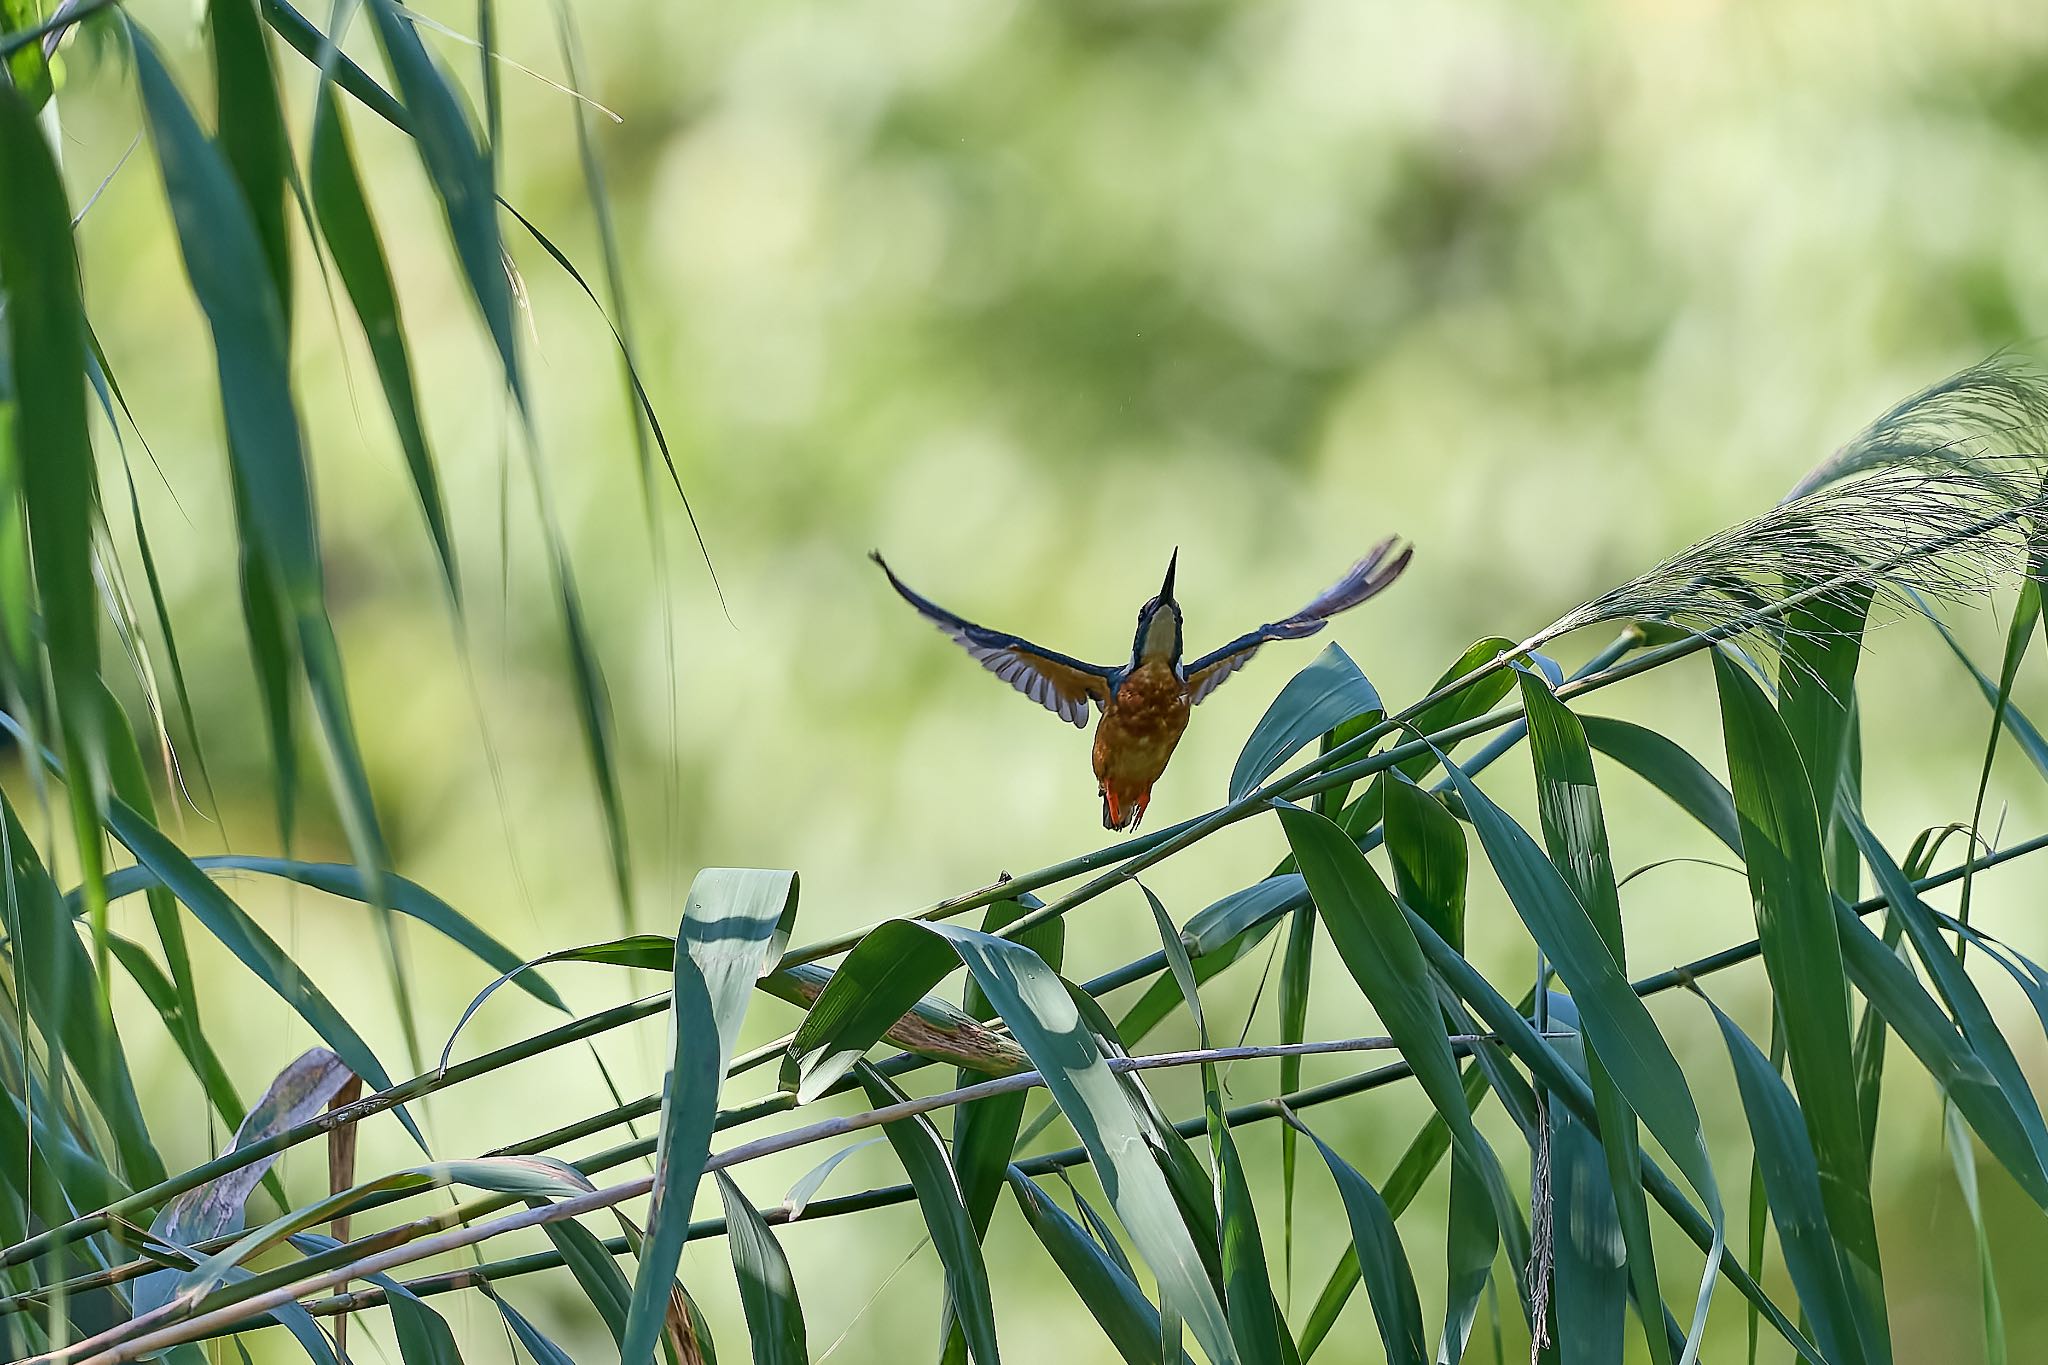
1364	579
1061	685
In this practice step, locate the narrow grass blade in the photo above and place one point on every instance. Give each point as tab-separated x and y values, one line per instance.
402	894
459	170
1247	1287
775	1315
1796	926
923	1154
1316	700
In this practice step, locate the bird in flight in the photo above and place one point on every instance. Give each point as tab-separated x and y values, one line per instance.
1144	703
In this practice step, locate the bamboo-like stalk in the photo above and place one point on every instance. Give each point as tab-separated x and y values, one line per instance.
124	1342
1657	983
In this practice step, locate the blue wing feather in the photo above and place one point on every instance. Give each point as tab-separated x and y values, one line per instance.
1365	579
1062	685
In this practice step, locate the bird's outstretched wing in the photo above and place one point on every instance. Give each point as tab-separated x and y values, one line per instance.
1364	579
1061	685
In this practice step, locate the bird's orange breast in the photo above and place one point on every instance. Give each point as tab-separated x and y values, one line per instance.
1139	728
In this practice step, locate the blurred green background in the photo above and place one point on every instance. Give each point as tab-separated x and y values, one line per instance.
1027	295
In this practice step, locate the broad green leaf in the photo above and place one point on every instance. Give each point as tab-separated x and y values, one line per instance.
1960	1072
531	1339
1474	699
1426	846
1297	974
1803	956
1617	1026
1316	700
1420	1159
953	1234
215	1209
252	134
1210	928
1378	948
1817	684
1177	962
900	960
985	1130
1793	1185
1247	1287
1127	1318
1163	996
735	923
1548	1068
1589	1302
1575	832
775	1315
1384	1265
810	1182
1671	770
459	170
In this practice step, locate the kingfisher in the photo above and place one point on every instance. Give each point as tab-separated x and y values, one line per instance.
1144	703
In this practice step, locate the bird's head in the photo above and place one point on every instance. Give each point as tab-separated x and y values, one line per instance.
1159	625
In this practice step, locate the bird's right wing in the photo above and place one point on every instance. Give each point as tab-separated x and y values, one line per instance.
1364	579
1061	685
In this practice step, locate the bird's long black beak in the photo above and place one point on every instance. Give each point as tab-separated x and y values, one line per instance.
1166	588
